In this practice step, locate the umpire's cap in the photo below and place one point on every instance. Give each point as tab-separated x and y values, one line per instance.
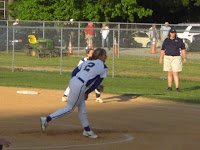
172	30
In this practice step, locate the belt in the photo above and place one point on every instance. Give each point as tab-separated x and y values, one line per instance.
172	55
81	80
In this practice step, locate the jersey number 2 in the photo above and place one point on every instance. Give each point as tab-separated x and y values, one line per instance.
89	66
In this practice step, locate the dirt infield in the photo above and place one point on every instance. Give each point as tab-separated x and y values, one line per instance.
122	123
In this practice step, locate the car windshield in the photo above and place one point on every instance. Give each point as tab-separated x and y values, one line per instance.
180	28
140	34
195	29
190	28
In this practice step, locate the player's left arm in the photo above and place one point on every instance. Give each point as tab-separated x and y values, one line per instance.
94	86
183	51
184	55
75	71
98	81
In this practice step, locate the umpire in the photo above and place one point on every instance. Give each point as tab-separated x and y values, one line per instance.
173	49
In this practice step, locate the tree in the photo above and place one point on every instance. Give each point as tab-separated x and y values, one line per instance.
124	9
94	10
66	9
197	2
174	11
32	9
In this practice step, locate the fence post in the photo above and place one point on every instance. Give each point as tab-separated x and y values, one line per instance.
79	37
13	51
113	59
61	39
7	38
118	38
43	29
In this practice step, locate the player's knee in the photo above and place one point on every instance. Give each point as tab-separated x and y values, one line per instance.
68	109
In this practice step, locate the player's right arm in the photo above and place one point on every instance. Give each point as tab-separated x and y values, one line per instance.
81	61
162	52
161	56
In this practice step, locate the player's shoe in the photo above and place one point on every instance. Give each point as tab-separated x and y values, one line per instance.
169	89
90	134
99	100
64	99
44	123
177	90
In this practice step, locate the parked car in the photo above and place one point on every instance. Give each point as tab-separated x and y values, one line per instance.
141	37
187	31
21	32
19	41
37	30
195	45
125	40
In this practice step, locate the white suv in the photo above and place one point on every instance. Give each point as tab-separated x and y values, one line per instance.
187	31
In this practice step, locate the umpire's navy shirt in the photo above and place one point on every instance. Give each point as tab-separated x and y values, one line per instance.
172	47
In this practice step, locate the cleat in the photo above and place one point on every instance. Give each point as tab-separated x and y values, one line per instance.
90	134
64	99
169	89
99	100
177	90
44	123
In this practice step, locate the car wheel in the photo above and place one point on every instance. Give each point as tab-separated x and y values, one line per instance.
148	45
187	43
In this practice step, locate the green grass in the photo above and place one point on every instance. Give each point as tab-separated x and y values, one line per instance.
153	88
125	65
123	85
134	76
23	60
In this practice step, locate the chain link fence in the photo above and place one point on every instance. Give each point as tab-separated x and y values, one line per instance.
56	39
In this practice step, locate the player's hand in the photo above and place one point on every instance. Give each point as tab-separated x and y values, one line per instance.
184	60
161	61
86	96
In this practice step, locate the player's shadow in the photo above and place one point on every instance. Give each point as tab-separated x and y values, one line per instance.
191	88
124	97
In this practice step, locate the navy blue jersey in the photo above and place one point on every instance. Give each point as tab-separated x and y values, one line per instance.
173	47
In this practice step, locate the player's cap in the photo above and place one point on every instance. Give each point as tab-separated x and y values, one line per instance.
17	19
172	30
71	20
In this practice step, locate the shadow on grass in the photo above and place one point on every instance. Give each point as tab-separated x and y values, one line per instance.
191	88
125	97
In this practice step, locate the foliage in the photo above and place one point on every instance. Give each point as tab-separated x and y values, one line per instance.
174	11
32	9
64	10
125	9
94	10
197	2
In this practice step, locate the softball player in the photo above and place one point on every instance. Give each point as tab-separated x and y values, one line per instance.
89	53
89	74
